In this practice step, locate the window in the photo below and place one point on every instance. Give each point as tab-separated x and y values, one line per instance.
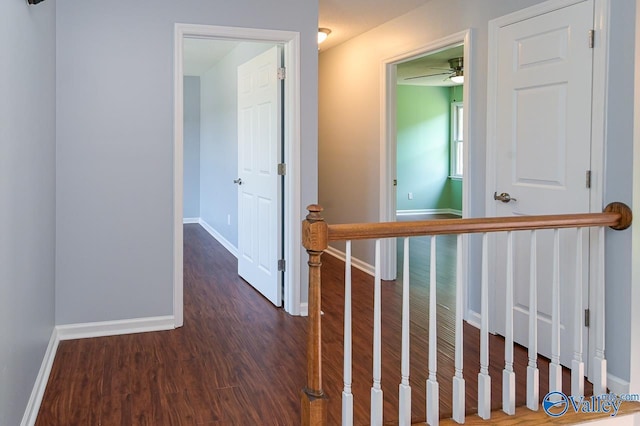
457	139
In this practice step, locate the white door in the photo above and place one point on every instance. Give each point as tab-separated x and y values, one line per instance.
542	155
259	185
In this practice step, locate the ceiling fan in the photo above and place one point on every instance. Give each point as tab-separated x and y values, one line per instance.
455	72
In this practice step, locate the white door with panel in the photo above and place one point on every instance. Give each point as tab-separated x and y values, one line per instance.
542	159
259	184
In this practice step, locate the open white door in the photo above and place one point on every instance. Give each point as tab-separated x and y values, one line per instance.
542	154
259	184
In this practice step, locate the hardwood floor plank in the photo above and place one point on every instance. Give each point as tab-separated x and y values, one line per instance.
238	360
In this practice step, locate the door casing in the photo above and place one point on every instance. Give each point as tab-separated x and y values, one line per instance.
388	132
290	41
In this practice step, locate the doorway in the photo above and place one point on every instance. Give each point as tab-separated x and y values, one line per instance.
389	131
430	135
290	151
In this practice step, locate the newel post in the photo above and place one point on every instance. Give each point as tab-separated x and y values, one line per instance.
315	240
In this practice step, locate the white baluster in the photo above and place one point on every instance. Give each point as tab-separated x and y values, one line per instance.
347	396
458	379
433	391
555	369
577	365
404	410
484	380
508	376
599	361
376	389
533	374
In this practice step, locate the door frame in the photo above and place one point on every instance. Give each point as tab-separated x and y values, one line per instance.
388	140
598	131
290	40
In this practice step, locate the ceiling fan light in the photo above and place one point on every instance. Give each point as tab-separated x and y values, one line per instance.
323	33
458	79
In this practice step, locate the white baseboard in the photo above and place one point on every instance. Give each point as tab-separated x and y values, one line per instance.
33	406
304	309
428	211
222	240
114	328
81	331
617	385
473	318
191	220
355	262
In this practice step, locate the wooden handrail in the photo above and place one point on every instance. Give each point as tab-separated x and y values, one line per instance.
616	215
316	235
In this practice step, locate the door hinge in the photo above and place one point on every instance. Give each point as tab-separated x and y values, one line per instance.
282	169
587	180
592	38
282	73
395	182
587	318
282	265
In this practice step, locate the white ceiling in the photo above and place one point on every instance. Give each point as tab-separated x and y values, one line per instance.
429	66
201	54
345	18
349	18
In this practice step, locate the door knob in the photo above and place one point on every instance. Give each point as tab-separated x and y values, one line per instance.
504	197
238	181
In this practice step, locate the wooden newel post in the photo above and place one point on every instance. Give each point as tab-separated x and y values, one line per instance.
315	238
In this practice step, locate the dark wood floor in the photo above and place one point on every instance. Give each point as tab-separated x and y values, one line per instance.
240	361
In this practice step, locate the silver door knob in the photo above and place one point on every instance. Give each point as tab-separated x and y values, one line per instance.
504	197
238	181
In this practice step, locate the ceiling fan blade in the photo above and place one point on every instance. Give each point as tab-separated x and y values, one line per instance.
428	75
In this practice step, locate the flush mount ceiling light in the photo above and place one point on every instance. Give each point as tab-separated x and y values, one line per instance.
323	33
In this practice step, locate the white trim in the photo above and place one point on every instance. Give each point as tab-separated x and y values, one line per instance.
304	309
222	240
178	177
33	406
599	101
617	385
191	220
388	131
355	262
600	105
473	318
292	180
114	328
428	211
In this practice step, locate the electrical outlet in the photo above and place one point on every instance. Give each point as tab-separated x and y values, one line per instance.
410	195
228	219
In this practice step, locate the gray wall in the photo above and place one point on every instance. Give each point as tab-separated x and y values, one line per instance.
27	191
219	143
618	186
348	142
191	148
115	145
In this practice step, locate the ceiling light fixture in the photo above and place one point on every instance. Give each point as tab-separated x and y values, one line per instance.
323	33
458	78
457	65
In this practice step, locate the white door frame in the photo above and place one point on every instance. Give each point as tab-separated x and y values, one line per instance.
290	41
598	123
388	135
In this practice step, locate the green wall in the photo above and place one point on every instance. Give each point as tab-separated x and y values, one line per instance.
423	128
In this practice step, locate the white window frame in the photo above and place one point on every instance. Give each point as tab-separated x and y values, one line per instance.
457	143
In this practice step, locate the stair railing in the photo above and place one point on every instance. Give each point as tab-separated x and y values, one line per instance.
316	236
